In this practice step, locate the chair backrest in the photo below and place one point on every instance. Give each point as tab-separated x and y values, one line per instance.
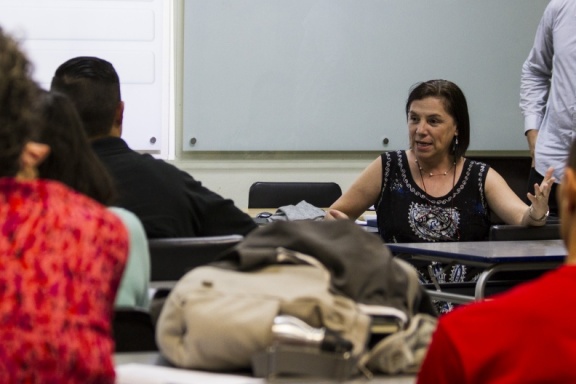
133	330
520	232
173	258
514	169
265	194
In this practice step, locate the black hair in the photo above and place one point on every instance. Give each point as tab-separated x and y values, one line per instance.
94	87
17	94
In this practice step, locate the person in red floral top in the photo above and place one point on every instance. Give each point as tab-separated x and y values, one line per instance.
62	254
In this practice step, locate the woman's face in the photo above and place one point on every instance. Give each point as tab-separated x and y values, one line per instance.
430	127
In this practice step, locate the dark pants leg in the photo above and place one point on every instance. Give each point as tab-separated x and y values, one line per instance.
534	178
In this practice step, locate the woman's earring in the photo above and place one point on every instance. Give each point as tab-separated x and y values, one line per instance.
455	145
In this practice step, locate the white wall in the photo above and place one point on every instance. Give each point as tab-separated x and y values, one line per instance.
134	35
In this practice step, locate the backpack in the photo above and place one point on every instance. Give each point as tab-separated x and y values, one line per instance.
331	275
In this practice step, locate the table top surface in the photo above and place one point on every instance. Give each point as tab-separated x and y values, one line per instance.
368	215
255	211
488	252
150	367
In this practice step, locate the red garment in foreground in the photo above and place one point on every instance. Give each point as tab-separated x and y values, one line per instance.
61	259
527	335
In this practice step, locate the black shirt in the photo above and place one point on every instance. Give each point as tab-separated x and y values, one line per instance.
168	201
406	213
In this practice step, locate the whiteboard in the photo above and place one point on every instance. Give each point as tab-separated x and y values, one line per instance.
128	33
334	75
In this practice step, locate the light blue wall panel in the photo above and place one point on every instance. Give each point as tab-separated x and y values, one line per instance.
334	74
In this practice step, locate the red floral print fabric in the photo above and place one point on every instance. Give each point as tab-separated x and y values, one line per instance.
61	260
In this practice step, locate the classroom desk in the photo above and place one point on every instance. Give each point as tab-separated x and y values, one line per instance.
132	367
493	256
253	212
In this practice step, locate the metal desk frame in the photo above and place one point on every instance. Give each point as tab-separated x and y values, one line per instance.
493	256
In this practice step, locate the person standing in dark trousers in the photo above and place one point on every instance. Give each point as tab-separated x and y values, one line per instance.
169	202
548	94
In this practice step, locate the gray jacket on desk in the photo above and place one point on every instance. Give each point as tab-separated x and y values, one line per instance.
361	266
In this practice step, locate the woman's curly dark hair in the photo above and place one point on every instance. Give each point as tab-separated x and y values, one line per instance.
17	95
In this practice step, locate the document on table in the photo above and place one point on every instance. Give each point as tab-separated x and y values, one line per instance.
135	373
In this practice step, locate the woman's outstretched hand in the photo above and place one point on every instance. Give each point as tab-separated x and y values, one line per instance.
541	194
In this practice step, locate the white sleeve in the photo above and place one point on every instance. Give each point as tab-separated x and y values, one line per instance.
537	71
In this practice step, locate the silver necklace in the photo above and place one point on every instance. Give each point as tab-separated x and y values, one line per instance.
430	174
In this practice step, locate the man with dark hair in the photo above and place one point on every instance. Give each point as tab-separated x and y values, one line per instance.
525	335
168	201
